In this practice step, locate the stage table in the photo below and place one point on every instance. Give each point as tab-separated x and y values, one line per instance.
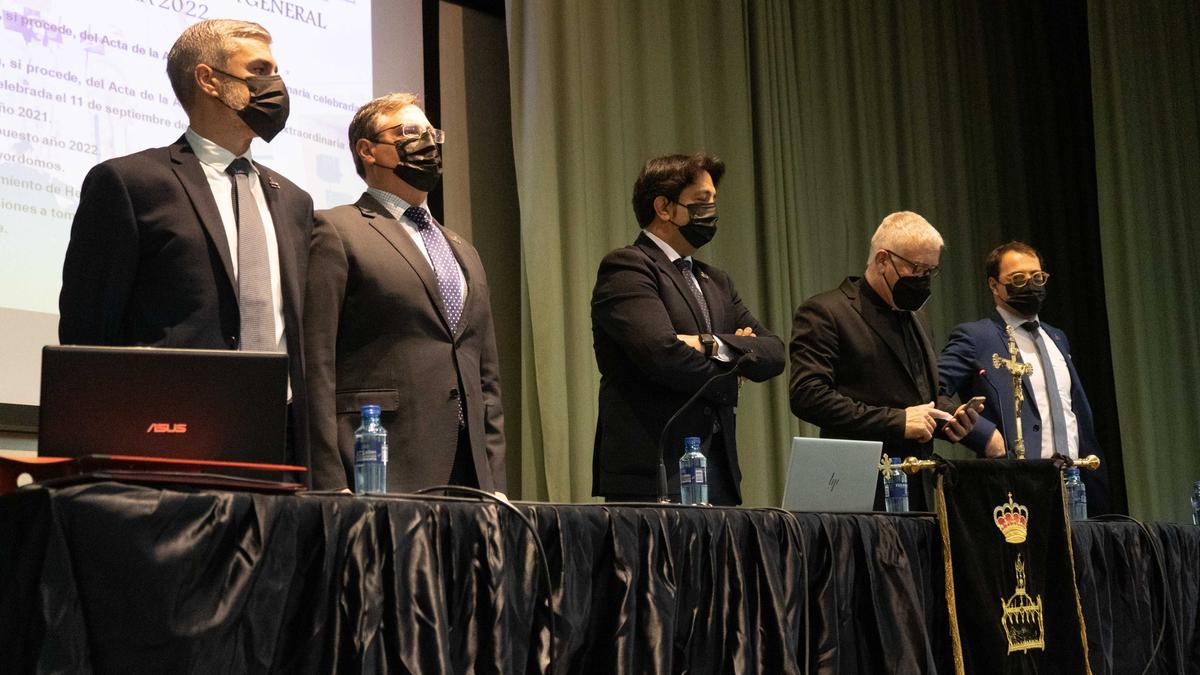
114	578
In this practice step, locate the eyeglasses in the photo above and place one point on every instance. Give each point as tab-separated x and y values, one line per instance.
1020	279
413	130
918	269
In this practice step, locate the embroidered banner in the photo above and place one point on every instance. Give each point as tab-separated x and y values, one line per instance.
1010	576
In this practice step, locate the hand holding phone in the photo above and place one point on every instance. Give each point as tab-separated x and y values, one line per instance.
976	403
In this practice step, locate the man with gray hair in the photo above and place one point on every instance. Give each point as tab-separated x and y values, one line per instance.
195	245
862	364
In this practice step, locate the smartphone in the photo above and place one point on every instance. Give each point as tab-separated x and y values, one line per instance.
976	403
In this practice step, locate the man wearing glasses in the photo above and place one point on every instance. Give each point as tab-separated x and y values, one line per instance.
862	364
1056	416
399	316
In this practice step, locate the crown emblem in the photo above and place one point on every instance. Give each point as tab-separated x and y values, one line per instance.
1022	617
1011	518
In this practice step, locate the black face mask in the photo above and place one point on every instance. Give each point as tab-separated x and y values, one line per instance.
267	111
911	293
701	226
420	162
1027	300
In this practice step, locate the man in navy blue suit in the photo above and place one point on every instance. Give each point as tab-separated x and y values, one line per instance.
1056	415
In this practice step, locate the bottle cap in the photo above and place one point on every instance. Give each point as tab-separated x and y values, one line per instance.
691	443
370	410
896	460
1073	471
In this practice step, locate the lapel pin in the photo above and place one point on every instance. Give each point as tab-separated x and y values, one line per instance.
272	183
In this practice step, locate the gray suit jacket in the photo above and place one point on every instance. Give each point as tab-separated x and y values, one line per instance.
376	332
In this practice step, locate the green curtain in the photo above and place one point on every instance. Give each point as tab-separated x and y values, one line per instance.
829	114
1146	85
597	88
827	125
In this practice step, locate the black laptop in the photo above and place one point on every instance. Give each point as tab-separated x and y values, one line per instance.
192	404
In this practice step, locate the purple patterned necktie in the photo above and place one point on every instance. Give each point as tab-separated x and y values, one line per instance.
445	265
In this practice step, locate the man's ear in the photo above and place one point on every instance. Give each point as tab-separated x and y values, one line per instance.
203	74
661	207
362	148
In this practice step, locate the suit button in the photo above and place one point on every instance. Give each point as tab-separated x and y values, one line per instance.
453	393
707	410
1037	427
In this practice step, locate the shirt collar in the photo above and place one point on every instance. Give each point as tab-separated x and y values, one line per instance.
1014	320
672	254
868	291
211	154
395	205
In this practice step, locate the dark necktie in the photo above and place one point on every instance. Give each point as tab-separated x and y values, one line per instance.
445	265
1057	415
685	267
255	305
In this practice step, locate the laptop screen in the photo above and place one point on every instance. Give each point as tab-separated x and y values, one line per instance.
150	402
826	474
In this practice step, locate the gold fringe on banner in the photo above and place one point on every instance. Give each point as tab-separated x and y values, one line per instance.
959	668
1087	662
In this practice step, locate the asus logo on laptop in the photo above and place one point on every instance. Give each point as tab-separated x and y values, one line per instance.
166	428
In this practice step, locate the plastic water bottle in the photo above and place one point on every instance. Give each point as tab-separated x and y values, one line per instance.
693	473
1196	503
370	454
1076	495
895	489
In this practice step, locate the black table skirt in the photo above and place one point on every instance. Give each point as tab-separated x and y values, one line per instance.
113	578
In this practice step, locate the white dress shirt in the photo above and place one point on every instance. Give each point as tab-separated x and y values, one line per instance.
723	351
397	206
1062	377
214	160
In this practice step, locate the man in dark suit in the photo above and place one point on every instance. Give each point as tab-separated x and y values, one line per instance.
863	366
1056	415
663	324
194	245
400	316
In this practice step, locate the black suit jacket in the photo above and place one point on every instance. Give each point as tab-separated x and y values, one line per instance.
148	262
639	304
850	376
377	333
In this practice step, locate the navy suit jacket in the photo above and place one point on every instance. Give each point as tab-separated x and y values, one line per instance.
965	369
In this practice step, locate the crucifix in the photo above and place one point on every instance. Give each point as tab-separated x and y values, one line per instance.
1018	370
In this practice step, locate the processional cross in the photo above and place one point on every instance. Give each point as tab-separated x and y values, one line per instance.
1018	370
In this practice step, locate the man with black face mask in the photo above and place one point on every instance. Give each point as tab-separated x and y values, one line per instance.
663	324
399	316
863	366
195	245
1056	416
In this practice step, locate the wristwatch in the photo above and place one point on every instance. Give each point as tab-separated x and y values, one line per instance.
709	343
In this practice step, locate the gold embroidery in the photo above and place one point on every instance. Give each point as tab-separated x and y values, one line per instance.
1012	519
1022	616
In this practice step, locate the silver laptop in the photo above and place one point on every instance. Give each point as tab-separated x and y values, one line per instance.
827	474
